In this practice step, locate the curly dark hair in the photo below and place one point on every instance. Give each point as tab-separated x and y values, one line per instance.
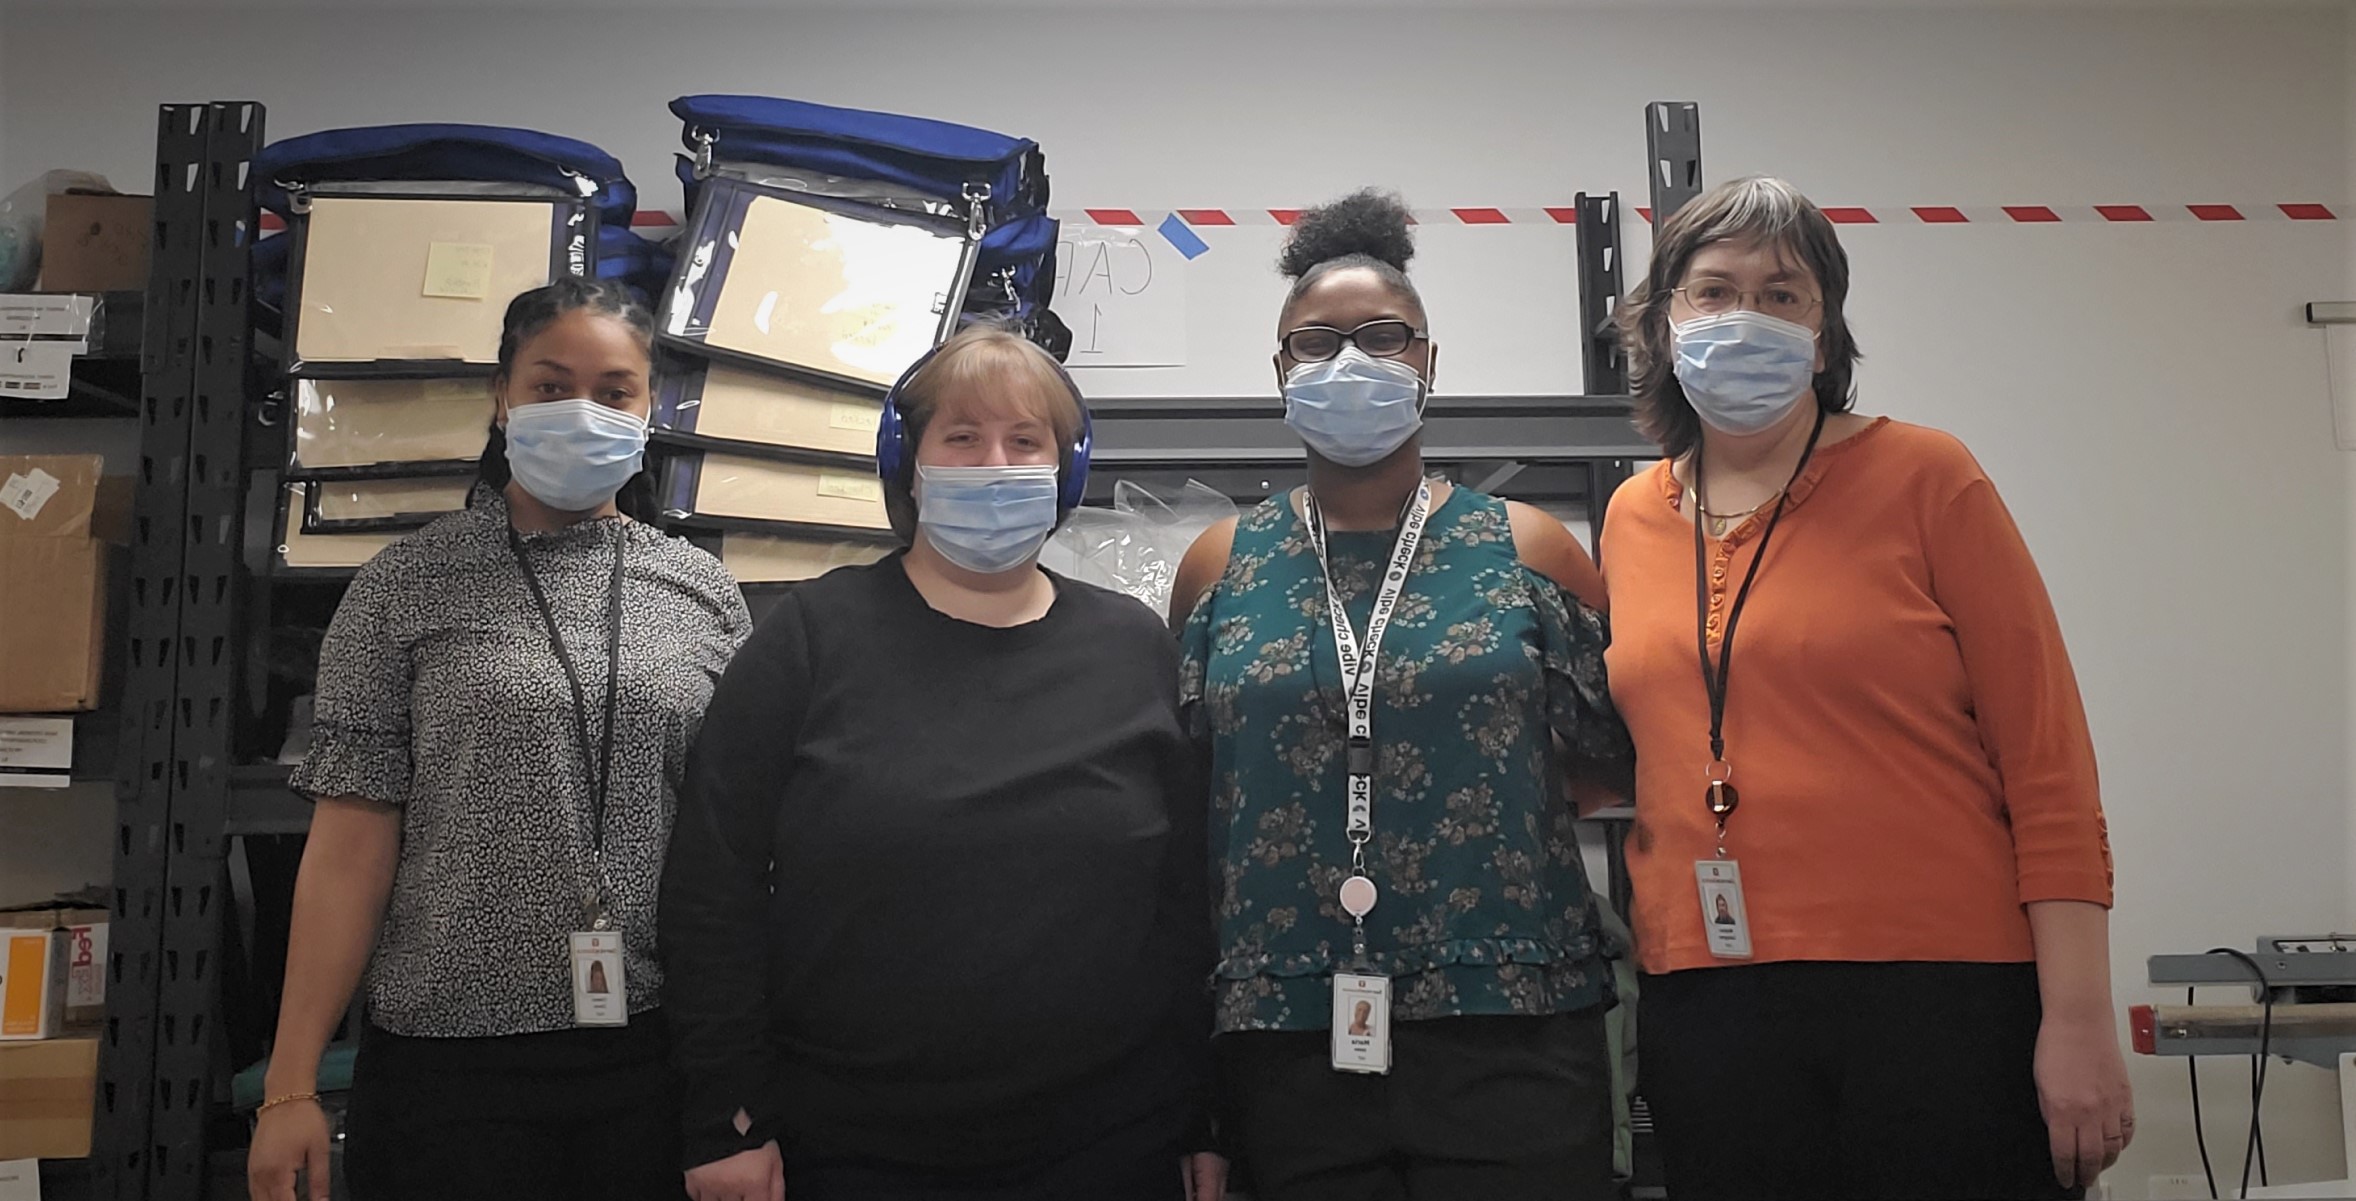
1366	228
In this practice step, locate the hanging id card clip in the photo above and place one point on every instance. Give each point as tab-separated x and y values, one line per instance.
601	987
1724	919
1361	997
601	990
1361	1023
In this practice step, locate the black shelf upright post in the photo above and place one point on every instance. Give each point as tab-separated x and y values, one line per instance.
196	889
1673	142
1604	369
121	1147
157	1053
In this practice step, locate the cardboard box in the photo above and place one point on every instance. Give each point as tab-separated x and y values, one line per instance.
48	1091
96	243
56	518
32	984
85	934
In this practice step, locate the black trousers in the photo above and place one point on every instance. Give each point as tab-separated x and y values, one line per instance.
1494	1108
1139	1163
1846	1080
573	1115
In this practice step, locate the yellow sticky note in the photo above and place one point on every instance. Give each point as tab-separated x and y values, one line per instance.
458	270
863	418
850	487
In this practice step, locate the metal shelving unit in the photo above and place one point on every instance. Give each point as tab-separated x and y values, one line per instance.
198	598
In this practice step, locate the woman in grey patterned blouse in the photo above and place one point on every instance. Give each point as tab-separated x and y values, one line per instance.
505	703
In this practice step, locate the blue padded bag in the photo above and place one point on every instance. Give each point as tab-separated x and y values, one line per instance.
491	153
432	152
937	158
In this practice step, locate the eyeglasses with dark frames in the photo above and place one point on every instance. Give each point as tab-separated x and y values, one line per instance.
1384	339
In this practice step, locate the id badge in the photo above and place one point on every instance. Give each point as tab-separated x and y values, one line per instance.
1361	1023
1724	919
601	993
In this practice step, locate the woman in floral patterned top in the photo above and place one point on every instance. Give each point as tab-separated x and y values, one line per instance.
1488	710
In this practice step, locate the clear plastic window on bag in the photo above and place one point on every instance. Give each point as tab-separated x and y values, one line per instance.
840	290
770	559
734	490
300	551
1135	546
721	404
388	426
398	282
340	506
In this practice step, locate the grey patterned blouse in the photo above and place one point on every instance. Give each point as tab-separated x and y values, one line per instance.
438	692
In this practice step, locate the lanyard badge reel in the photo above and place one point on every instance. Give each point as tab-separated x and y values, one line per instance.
1726	921
601	989
1362	996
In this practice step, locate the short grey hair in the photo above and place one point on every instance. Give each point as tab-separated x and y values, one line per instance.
1758	209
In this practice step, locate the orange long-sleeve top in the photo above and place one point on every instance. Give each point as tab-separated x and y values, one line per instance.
1906	734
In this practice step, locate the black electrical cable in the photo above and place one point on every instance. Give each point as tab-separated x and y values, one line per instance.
2257	1086
2200	1132
2254	1148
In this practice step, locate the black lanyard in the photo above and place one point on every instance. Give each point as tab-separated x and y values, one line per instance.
600	763
1721	796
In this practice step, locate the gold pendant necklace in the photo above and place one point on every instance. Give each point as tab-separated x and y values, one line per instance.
1719	523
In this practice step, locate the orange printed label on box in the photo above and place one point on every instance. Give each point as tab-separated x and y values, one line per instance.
29	985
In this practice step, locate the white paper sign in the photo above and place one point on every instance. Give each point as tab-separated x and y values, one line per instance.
36	315
36	370
1122	290
20	1180
37	743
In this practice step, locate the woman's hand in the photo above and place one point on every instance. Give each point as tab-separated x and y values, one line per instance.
2082	1089
290	1138
757	1175
1206	1176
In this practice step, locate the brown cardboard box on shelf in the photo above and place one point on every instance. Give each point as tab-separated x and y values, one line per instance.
96	243
47	1092
57	518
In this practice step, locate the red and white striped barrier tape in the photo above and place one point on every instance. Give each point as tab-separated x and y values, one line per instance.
1919	214
2015	214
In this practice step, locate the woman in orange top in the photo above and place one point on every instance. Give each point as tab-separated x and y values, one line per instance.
1859	739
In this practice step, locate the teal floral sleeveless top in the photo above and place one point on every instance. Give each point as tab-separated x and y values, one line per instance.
1484	906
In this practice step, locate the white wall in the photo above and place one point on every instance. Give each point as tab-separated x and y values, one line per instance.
2146	395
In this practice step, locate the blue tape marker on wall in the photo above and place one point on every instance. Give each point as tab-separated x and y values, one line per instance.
1182	236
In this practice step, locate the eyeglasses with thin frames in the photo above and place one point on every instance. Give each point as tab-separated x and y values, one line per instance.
1710	296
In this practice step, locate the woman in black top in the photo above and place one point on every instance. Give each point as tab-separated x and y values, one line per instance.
935	915
505	702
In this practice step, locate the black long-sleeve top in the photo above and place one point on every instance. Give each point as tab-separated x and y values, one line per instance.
937	892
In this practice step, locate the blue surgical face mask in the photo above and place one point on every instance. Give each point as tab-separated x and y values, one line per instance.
573	454
1353	408
986	519
1743	371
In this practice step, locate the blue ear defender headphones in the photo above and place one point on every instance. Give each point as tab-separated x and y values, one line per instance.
895	453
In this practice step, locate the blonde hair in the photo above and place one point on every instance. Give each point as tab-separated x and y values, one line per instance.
994	372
